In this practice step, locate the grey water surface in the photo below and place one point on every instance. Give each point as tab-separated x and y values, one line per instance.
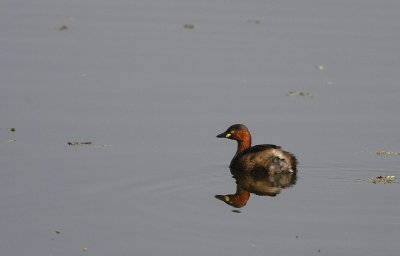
150	83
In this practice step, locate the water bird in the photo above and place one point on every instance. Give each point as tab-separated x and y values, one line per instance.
266	157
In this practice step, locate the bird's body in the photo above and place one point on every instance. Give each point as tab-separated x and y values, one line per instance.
268	157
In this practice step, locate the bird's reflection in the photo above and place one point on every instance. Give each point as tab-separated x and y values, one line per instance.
256	182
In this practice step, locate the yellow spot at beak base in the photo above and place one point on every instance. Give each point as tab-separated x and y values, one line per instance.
226	198
228	135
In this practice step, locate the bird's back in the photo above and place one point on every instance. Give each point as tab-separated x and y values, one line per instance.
268	157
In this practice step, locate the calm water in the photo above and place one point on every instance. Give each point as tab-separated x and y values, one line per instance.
151	95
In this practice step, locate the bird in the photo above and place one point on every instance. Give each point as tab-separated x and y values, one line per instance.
266	157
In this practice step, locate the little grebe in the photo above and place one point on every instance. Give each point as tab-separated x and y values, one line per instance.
267	157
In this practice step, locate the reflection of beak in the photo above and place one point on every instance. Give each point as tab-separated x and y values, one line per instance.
222	198
224	135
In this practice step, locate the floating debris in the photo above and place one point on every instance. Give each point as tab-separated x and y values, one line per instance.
57	232
11	140
8	129
76	143
62	28
188	26
254	21
384	180
84	249
300	94
87	143
236	211
387	153
320	67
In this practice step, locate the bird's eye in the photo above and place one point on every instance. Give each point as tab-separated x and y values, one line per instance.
232	132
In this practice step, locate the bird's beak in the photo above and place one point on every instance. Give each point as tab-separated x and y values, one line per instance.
224	135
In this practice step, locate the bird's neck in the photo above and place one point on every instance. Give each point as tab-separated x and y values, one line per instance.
243	144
